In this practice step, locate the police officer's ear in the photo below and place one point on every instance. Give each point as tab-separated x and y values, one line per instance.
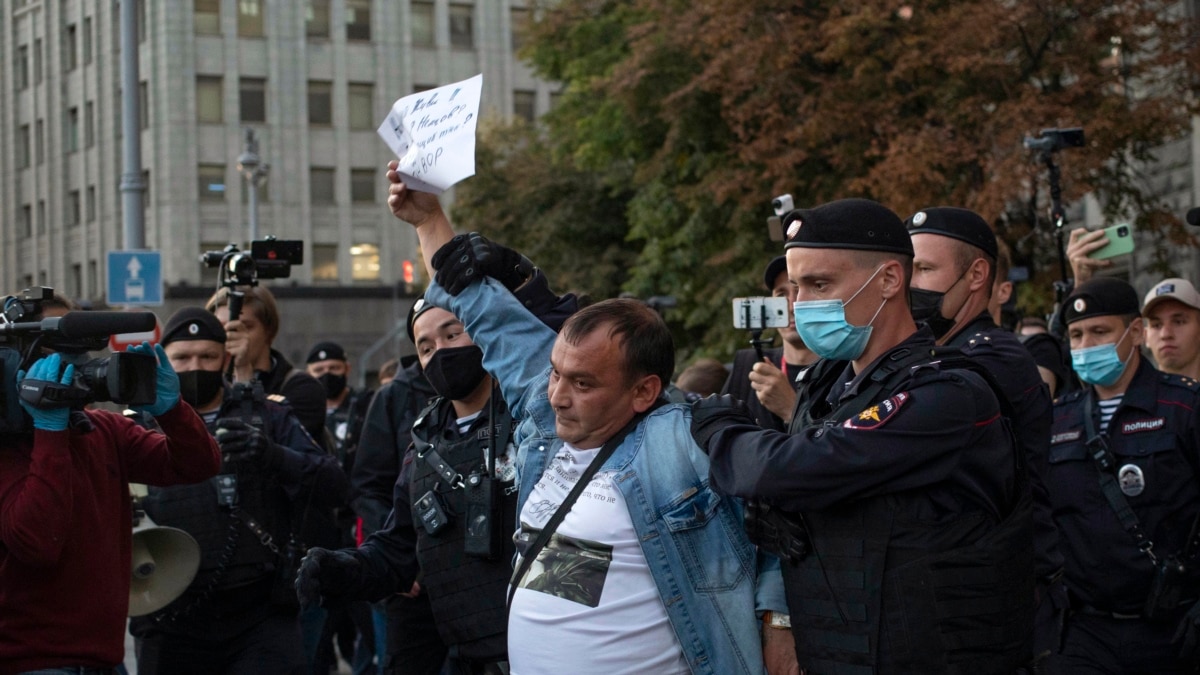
1137	331
891	279
977	274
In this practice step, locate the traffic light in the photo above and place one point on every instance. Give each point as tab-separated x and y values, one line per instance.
407	269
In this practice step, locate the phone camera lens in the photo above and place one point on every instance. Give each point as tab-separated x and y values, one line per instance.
1122	231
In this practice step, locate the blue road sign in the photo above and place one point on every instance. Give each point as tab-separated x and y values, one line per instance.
135	278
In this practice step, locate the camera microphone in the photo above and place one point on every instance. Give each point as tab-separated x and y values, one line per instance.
1193	217
77	325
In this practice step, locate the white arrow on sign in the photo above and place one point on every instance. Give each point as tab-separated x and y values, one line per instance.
134	267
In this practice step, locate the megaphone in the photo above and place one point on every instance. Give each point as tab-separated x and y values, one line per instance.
165	561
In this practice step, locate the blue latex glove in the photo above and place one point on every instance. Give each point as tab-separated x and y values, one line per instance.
166	382
47	370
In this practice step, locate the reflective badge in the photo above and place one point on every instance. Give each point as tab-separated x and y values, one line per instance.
1080	305
1131	479
877	415
794	228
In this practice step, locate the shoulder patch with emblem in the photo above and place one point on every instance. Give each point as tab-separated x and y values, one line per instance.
277	398
878	414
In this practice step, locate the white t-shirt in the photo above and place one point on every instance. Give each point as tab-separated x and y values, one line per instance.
588	604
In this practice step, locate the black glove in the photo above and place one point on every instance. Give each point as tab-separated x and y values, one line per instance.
1187	636
468	257
712	414
243	442
326	577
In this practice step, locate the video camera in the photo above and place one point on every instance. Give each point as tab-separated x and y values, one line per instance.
268	258
123	377
1053	140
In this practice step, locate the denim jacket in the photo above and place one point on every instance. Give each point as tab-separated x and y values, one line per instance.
703	564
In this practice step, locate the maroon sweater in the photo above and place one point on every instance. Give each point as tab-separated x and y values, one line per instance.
65	532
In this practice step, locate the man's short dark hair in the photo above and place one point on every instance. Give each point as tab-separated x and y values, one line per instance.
645	339
873	259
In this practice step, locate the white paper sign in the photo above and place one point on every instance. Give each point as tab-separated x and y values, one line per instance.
433	134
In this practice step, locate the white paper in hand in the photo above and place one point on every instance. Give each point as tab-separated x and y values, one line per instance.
433	135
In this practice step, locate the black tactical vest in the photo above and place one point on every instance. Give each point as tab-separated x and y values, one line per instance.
467	593
959	598
195	510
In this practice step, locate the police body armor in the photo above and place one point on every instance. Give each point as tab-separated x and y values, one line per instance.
467	592
218	513
957	602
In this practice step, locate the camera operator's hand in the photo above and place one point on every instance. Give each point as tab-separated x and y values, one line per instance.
238	345
468	257
409	205
47	370
244	442
774	392
1079	247
1187	636
166	382
712	414
326	576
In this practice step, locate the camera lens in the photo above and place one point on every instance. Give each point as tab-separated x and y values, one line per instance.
777	204
1122	231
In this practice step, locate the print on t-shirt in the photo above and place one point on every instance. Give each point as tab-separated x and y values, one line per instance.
569	568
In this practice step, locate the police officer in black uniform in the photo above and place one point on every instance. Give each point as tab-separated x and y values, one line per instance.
1123	479
238	615
954	269
897	500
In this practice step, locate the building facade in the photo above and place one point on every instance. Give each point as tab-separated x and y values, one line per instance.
312	78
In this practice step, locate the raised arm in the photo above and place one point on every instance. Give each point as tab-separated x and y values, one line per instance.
423	211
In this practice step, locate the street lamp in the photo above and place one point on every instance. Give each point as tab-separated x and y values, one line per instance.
255	170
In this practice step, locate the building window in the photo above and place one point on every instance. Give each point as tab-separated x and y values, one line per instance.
316	19
462	26
320	185
320	103
90	204
212	182
362	106
422	24
207	17
146	190
141	21
252	99
26	220
39	142
524	104
520	27
143	106
71	131
41	216
72	208
358	19
362	185
70	49
77	280
24	144
89	124
364	261
324	262
37	61
21	68
250	18
87	41
93	276
209	100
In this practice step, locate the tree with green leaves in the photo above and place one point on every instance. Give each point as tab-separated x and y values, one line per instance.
679	120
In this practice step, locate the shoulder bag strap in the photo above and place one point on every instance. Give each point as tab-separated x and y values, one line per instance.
543	537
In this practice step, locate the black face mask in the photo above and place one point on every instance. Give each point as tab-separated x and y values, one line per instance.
927	309
454	372
334	384
200	387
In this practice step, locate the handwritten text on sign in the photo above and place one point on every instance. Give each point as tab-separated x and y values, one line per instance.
433	134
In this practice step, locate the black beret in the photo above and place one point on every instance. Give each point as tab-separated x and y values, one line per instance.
325	350
961	224
774	269
1047	352
1102	296
418	308
856	224
193	323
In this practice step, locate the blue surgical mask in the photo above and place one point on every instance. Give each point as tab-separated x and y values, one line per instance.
1100	365
823	327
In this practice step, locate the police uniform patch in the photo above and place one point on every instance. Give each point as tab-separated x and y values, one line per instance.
1132	480
877	415
1137	426
919	219
1080	304
794	228
193	328
1065	436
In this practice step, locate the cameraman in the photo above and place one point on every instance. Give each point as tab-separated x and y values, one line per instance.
237	615
65	514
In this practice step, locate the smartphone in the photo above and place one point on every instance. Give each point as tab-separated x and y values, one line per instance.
1120	242
758	313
